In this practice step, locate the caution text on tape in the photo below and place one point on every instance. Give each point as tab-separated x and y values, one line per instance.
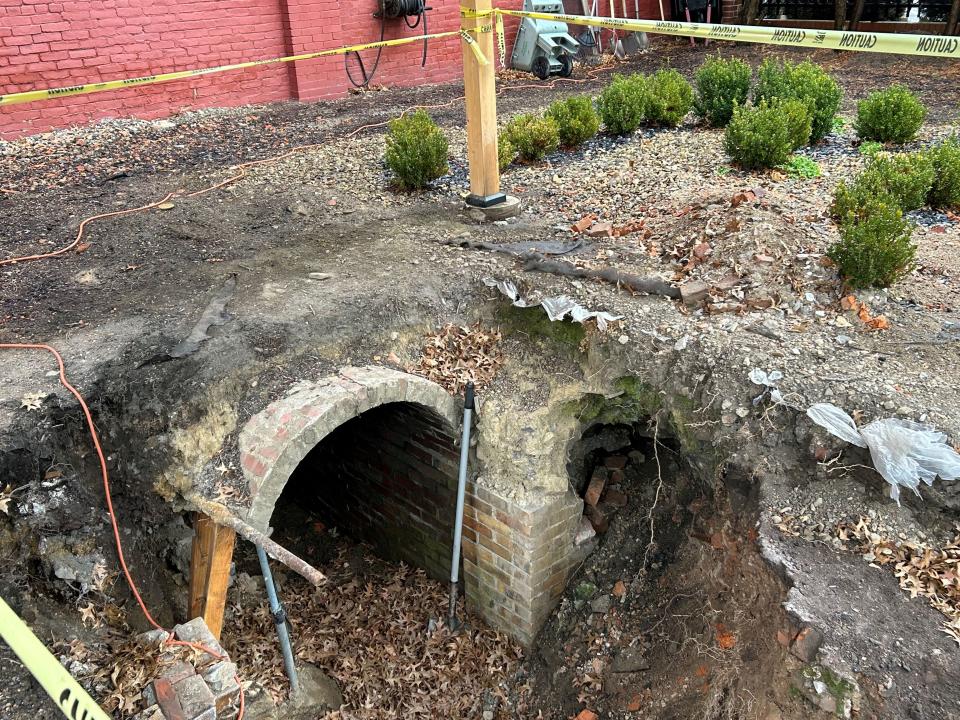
73	700
893	43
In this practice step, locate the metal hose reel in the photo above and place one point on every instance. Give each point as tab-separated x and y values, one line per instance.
413	12
544	47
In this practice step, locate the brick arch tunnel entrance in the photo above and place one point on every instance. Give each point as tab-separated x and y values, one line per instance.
388	478
370	454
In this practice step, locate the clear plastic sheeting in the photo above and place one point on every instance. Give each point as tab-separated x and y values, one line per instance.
557	308
903	452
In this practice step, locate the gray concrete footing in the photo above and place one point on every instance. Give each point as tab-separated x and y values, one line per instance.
509	208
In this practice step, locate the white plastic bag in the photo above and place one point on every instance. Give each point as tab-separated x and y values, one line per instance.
903	452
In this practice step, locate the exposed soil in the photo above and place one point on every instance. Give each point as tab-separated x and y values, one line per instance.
142	281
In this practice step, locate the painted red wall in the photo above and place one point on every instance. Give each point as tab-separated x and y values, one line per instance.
54	44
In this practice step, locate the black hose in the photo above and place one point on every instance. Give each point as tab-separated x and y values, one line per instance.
391	9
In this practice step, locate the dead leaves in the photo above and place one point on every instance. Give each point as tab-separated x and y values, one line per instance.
456	355
378	629
878	322
923	571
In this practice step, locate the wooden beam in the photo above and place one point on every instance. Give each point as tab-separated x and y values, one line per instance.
210	571
480	92
204	536
223	516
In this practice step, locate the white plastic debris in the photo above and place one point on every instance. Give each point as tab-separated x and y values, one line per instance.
903	452
557	308
768	380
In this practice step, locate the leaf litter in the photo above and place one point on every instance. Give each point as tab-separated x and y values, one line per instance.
379	631
457	354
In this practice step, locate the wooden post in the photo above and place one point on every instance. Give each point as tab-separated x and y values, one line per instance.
210	571
480	92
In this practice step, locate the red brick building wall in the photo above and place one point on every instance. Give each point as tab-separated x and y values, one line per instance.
51	44
72	42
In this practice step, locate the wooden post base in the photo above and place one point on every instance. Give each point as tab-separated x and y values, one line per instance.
210	571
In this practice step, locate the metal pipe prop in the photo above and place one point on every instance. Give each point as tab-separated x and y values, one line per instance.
458	519
280	620
222	516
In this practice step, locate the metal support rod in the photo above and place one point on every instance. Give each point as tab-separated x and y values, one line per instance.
222	516
280	620
458	519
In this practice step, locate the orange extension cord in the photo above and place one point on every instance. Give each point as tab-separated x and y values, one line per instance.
113	516
242	168
242	171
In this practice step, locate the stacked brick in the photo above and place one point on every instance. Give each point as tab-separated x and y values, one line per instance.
517	559
205	689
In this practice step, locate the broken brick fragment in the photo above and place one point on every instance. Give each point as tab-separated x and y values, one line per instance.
597	518
693	292
603	229
595	489
583	223
615	462
807	644
615	497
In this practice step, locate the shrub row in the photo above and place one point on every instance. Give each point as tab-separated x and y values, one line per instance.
629	101
875	246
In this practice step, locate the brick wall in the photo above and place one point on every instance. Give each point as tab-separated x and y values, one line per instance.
387	477
52	44
517	559
72	42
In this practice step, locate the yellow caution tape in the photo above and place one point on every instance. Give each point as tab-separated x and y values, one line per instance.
66	692
895	43
501	41
34	95
472	44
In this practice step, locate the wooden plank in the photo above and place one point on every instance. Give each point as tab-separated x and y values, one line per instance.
479	85
218	579
204	534
210	561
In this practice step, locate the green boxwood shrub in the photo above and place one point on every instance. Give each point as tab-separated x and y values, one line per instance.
806	82
416	150
721	85
764	136
506	152
623	104
669	98
876	248
904	179
533	136
892	115
945	191
576	118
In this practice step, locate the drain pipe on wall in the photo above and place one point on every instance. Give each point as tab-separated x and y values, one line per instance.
280	619
452	622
